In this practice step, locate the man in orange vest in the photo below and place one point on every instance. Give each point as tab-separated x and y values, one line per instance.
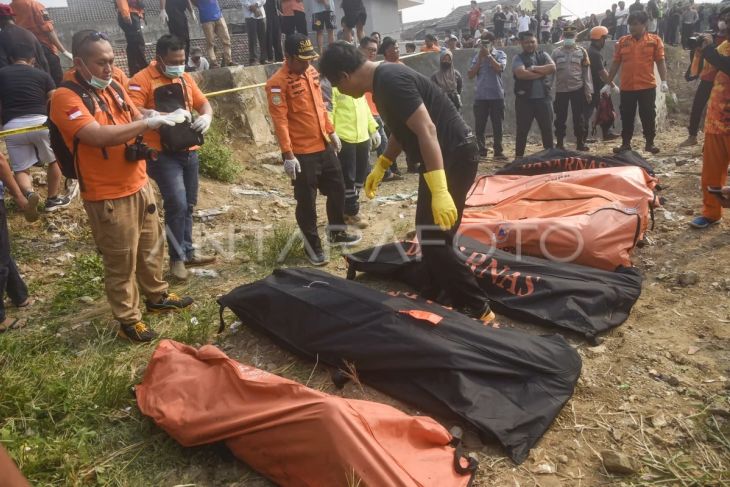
309	145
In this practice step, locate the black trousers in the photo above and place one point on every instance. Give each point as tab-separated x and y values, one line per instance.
256	29
295	23
320	171
178	26
54	65
577	101
273	32
645	100
10	280
527	110
687	31
446	268
355	162
702	96
483	110
135	43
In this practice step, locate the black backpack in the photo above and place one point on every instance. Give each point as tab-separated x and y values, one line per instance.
67	157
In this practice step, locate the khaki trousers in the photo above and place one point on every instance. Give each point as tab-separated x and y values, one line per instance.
220	29
128	233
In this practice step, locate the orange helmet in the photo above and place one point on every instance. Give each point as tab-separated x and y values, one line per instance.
598	32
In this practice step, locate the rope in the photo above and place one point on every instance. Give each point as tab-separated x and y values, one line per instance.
38	128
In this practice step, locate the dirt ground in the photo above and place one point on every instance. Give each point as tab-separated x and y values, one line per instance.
656	389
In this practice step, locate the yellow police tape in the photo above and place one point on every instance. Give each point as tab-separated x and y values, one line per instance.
38	128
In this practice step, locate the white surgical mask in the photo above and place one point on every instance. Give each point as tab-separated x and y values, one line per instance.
98	83
569	42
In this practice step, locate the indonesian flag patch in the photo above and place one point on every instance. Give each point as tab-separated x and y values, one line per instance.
74	113
134	87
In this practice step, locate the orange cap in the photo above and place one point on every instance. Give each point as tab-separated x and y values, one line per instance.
598	32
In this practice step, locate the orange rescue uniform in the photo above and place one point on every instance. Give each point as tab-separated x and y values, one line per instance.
104	173
716	153
637	58
127	8
141	89
117	75
430	49
288	7
298	112
371	104
32	15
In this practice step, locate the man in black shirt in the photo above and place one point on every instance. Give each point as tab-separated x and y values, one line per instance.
599	74
173	12
12	34
24	93
425	124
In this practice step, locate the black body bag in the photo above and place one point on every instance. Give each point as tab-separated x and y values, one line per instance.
557	160
569	296
506	384
180	137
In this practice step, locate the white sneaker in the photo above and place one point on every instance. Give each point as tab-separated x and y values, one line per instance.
72	188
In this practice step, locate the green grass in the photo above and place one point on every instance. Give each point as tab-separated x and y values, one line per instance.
85	278
216	157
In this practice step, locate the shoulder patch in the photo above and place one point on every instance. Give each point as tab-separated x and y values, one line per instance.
276	99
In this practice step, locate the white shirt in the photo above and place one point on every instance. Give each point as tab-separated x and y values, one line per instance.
523	23
247	14
622	16
204	64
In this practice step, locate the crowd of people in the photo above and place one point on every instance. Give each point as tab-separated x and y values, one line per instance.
109	133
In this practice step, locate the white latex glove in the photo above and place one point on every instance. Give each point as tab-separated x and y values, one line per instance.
180	111
375	140
606	90
292	167
202	123
150	113
665	87
68	55
164	18
336	141
160	120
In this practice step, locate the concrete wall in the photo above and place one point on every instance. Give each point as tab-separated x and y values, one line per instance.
428	64
248	115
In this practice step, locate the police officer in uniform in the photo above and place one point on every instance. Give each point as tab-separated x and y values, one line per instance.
574	86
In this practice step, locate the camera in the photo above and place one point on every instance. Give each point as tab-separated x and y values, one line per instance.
139	150
695	42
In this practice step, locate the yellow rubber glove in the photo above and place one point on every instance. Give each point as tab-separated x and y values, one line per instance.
376	176
442	204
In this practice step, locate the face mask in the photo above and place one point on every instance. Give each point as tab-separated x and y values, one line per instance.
569	42
721	25
445	66
173	71
98	83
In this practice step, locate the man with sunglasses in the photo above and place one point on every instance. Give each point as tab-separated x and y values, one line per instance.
120	204
164	86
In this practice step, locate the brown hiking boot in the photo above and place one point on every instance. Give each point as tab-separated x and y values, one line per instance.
199	259
689	142
178	270
355	221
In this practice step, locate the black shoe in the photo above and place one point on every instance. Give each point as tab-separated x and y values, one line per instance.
318	259
500	157
560	145
651	148
582	147
483	152
56	203
344	239
170	302
137	332
610	136
623	148
591	141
